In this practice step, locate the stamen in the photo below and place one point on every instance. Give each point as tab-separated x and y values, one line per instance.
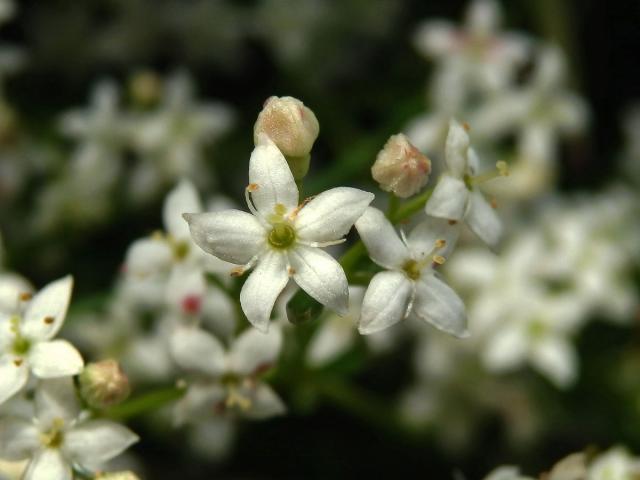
466	127
291	271
240	269
48	320
322	244
438	259
252	187
501	170
295	211
17	362
25	296
441	243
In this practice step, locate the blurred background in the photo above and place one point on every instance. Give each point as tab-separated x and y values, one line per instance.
86	159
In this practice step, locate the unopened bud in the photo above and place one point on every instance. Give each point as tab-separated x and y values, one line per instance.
117	476
400	167
104	384
145	88
292	127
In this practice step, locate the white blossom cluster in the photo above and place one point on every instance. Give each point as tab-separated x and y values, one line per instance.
46	432
477	76
165	130
617	463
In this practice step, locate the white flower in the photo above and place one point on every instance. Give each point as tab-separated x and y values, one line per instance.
506	473
456	196
409	284
617	464
59	438
280	237
26	340
230	378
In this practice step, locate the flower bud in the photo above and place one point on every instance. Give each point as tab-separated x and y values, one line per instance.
400	167
104	384
118	476
292	127
145	88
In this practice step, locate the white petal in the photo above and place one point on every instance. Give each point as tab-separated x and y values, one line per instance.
483	17
19	438
422	239
506	349
186	284
11	286
449	199
382	242
385	302
321	276
56	398
14	373
438	304
46	311
199	401
265	403
230	235
427	132
97	441
269	170
57	358
195	349
261	289
182	199
456	149
148	256
556	358
48	464
334	336
330	215
254	351
435	38
212	437
483	220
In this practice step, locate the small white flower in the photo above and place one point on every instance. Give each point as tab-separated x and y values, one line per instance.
506	473
456	196
409	284
281	238
617	463
26	340
231	378
60	438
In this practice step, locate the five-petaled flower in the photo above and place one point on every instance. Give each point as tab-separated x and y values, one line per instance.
281	238
409	284
26	340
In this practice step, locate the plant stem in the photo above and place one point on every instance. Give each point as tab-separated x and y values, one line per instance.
145	403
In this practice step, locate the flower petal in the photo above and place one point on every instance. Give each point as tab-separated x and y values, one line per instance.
56	398
254	351
456	149
382	242
334	336
449	199
14	373
97	441
422	239
265	403
439	305
261	289
556	358
230	235
506	349
57	358
195	349
269	170
386	302
46	311
148	256
183	198
48	464
483	220
199	401
321	276
19	438
330	215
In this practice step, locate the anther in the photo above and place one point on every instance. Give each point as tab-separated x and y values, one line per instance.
438	259
48	320
441	243
17	362
25	296
237	272
252	187
466	127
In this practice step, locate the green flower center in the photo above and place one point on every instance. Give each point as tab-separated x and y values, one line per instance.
21	345
53	438
412	269
282	236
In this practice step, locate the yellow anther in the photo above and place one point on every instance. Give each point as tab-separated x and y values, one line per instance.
252	187
441	243
17	362
466	127
48	320
503	168
237	272
25	296
438	259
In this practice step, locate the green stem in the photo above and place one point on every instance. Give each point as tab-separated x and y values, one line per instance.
394	204
145	403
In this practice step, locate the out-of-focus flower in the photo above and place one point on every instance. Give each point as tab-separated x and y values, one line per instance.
231	380
60	438
281	238
292	127
26	340
409	284
400	168
506	473
456	196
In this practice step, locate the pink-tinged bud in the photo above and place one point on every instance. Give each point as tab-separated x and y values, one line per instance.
292	127
104	384
400	167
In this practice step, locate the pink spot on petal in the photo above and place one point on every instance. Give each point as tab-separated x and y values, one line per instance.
192	304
